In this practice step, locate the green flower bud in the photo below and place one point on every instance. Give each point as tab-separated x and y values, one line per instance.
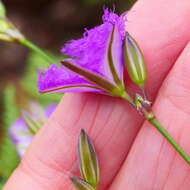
89	166
2	10
8	32
34	117
4	25
134	61
81	184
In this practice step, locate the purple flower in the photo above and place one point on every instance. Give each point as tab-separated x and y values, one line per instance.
96	61
24	128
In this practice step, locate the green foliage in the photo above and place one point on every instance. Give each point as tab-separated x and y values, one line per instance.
9	158
2	182
10	109
8	155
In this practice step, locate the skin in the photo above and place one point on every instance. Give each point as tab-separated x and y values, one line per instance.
132	154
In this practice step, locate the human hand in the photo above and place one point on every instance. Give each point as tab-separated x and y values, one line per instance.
132	154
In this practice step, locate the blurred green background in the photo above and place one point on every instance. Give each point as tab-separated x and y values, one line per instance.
49	24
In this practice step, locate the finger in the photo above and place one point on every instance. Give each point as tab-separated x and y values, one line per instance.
105	119
152	162
51	159
160	27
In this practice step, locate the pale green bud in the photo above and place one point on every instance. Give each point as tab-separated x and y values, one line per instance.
81	184
8	32
4	25
89	166
134	61
34	117
2	10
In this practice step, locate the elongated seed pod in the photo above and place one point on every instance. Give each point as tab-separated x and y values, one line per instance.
89	166
80	184
134	61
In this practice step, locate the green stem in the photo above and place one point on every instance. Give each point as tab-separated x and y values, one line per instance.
149	116
36	49
127	97
158	126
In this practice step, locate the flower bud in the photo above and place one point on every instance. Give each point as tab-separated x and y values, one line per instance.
81	184
34	117
4	26
134	61
89	166
8	32
24	128
2	10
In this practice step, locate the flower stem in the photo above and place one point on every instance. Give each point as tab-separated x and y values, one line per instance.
25	42
159	127
127	97
150	117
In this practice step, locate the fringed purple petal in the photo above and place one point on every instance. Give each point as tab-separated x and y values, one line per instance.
98	52
91	51
59	79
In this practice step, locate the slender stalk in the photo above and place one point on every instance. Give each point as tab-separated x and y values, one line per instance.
36	49
127	97
149	116
161	129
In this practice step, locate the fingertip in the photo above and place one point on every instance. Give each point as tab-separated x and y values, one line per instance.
162	165
176	87
162	30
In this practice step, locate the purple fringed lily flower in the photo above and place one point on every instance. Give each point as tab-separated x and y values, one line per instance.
95	64
24	128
